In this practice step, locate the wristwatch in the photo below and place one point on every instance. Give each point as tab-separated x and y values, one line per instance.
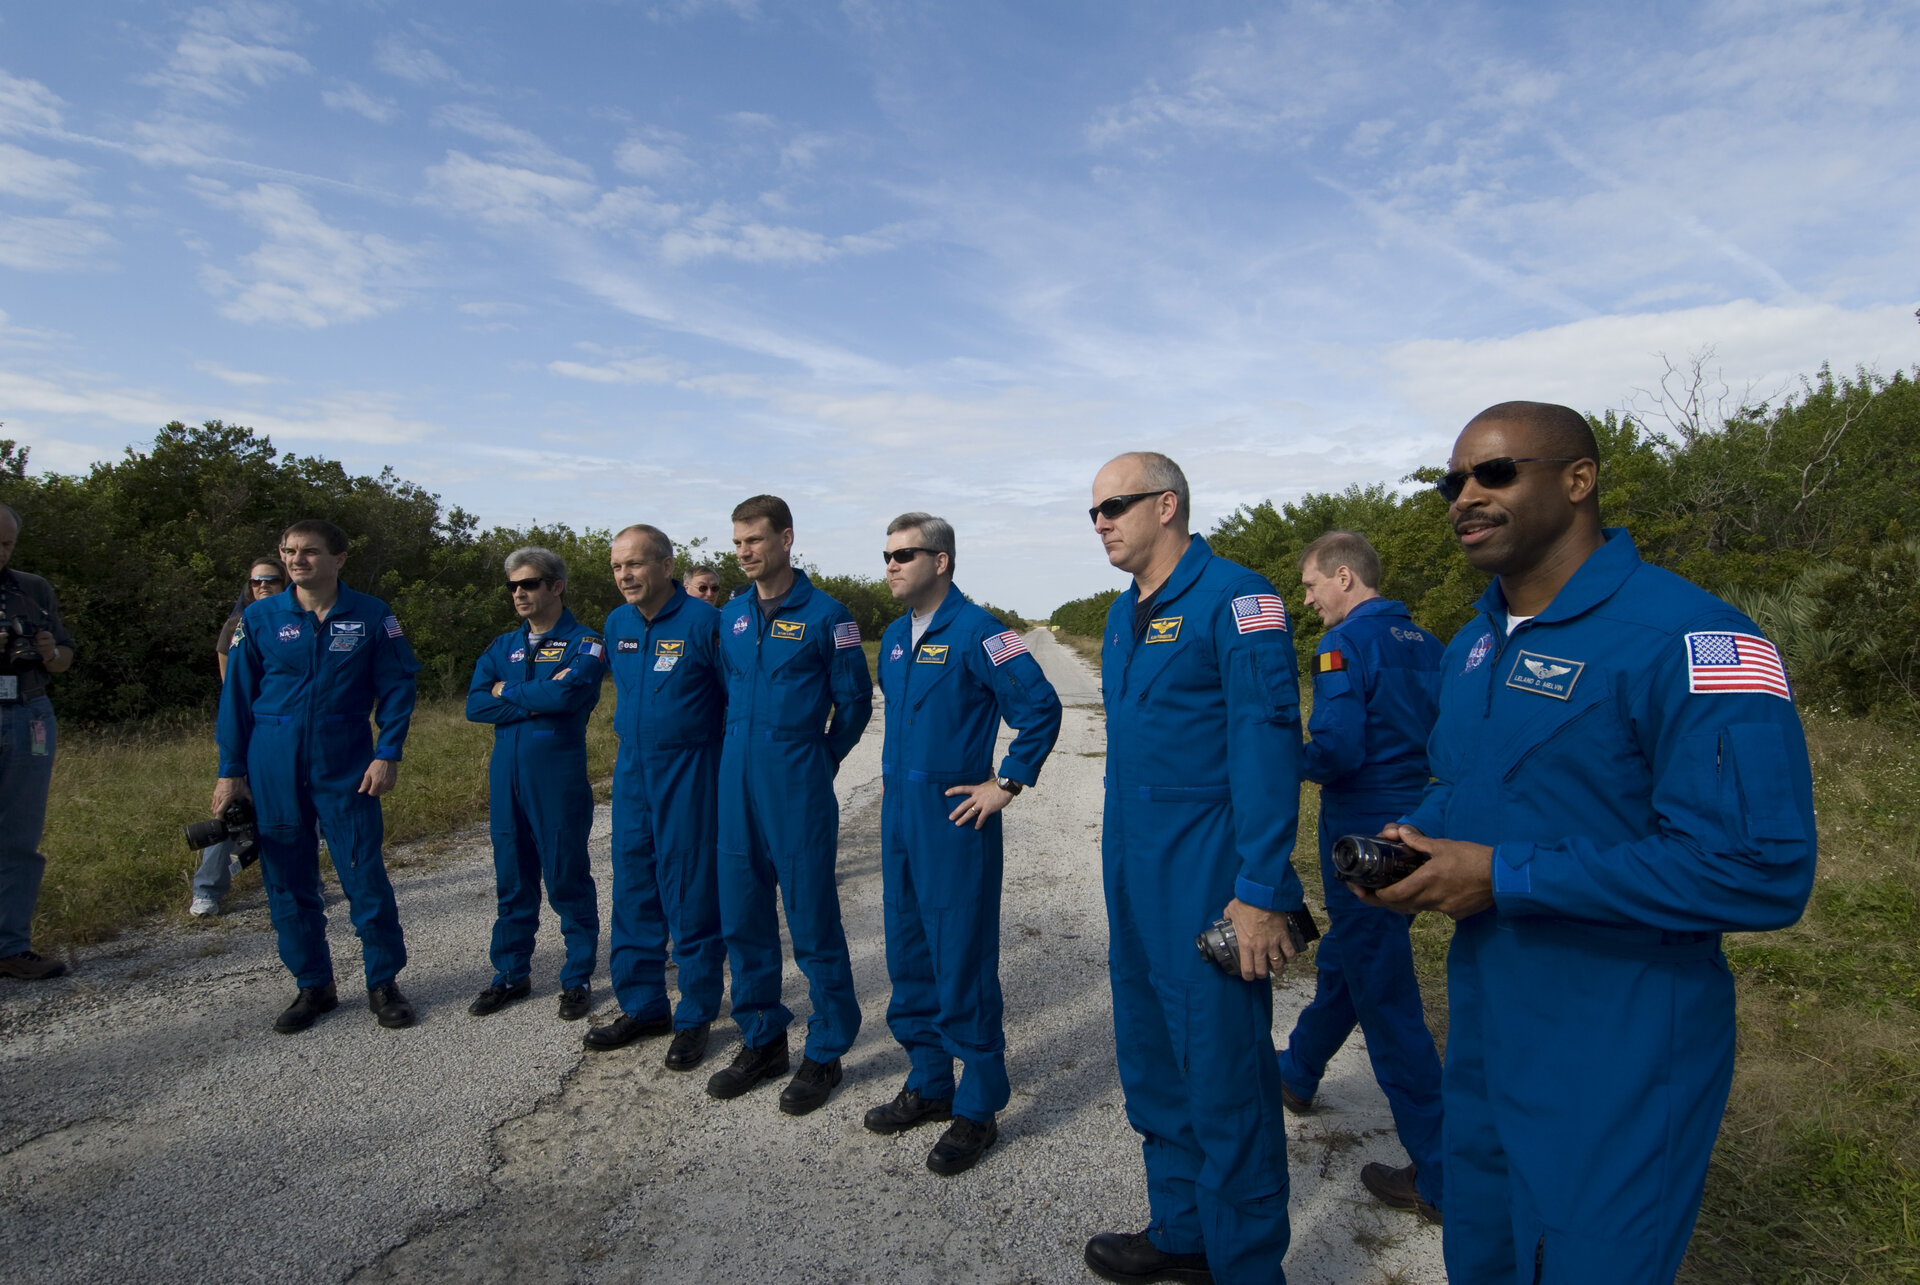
1010	785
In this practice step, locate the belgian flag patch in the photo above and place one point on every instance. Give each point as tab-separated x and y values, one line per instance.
1329	662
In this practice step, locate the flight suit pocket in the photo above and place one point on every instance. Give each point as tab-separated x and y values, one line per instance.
1556	727
1756	755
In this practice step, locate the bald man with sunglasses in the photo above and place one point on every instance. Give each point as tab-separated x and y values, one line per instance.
1619	777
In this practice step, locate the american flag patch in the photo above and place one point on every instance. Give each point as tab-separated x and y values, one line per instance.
846	635
1002	648
1257	611
1719	662
392	625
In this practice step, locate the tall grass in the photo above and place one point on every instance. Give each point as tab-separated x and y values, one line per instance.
114	849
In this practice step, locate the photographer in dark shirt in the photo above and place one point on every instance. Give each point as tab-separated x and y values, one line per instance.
33	645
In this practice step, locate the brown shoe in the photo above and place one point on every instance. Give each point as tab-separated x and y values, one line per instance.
29	967
1395	1187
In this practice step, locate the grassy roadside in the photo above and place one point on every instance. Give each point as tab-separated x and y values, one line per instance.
114	848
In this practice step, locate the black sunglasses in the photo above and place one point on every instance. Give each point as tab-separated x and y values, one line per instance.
268	579
1114	505
903	556
1493	474
529	585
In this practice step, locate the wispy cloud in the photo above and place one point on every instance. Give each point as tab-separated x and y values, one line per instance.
350	97
238	378
224	50
412	62
307	272
33	177
52	245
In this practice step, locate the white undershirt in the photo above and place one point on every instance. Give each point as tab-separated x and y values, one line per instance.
1514	622
920	624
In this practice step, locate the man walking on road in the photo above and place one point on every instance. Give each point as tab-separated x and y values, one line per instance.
306	668
792	655
950	673
538	685
1374	683
1619	777
664	648
1203	772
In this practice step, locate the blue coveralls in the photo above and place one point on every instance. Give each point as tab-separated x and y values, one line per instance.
539	800
666	808
945	700
779	819
293	720
1643	793
1203	777
1375	681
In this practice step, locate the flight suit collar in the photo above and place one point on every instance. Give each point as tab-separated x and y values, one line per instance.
562	628
667	609
1377	607
1185	572
797	596
942	615
1596	580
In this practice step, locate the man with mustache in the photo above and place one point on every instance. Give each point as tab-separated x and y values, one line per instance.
1620	777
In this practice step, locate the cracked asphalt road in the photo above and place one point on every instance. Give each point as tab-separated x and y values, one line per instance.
153	1128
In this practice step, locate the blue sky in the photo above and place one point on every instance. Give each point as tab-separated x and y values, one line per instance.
602	263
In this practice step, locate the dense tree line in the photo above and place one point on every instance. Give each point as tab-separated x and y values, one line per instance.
1805	513
147	553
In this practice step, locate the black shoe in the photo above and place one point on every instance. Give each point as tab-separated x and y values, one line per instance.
750	1066
908	1110
1131	1256
497	997
575	1003
689	1047
961	1146
306	1008
1395	1187
1293	1101
810	1087
29	967
390	1006
624	1030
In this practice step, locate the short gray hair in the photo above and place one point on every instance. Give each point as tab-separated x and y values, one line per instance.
1347	549
937	533
549	564
659	547
1159	473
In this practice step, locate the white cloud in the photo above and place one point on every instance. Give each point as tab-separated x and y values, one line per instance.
353	98
51	245
33	177
27	105
651	157
515	146
644	369
503	193
238	378
415	64
723	230
223	47
491	308
307	272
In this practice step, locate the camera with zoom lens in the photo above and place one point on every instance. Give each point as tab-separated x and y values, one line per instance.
1220	944
16	643
1373	863
234	823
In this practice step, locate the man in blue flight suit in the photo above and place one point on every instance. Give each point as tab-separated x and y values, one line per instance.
1203	790
664	649
791	655
950	673
1620	777
306	668
1374	683
537	685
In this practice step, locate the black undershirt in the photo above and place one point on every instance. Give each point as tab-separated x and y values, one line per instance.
770	607
1142	611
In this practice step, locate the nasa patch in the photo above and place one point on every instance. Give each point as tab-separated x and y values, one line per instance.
1480	652
519	654
289	632
740	624
897	652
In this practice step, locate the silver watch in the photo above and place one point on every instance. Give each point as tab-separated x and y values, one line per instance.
1010	785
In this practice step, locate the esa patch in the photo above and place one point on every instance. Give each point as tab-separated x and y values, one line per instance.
1165	629
931	654
1547	675
791	630
339	627
550	652
1406	635
626	644
1481	650
289	632
669	646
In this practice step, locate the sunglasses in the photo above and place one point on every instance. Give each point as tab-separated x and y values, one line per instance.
1114	505
1493	474
902	556
529	585
268	579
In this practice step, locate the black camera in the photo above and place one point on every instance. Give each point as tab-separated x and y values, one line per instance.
1373	863
235	823
1220	944
16	643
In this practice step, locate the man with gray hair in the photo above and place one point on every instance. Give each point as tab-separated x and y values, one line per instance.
537	685
950	673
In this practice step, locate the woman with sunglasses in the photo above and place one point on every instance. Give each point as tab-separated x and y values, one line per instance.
217	867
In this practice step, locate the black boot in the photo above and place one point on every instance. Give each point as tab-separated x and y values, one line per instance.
306	1008
624	1030
689	1047
810	1087
907	1110
1129	1257
497	997
750	1067
390	1006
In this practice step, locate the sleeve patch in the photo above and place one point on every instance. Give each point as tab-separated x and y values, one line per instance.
1256	611
1329	662
1728	662
392	625
846	635
239	631
1002	648
593	647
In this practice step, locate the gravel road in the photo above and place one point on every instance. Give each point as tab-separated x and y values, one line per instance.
153	1128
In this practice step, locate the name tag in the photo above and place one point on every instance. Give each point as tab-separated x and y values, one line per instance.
1165	629
548	655
338	627
1548	675
669	646
791	630
9	687
932	654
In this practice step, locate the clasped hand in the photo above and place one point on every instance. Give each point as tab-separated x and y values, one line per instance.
1456	879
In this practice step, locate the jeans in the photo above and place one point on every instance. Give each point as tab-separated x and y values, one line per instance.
212	879
26	771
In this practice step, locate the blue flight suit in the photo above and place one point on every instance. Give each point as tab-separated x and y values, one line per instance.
293	720
1376	679
1634	759
666	808
945	699
539	800
779	819
1203	794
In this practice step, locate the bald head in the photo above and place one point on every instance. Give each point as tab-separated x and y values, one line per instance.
1140	471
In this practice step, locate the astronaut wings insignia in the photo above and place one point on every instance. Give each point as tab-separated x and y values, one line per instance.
1542	669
